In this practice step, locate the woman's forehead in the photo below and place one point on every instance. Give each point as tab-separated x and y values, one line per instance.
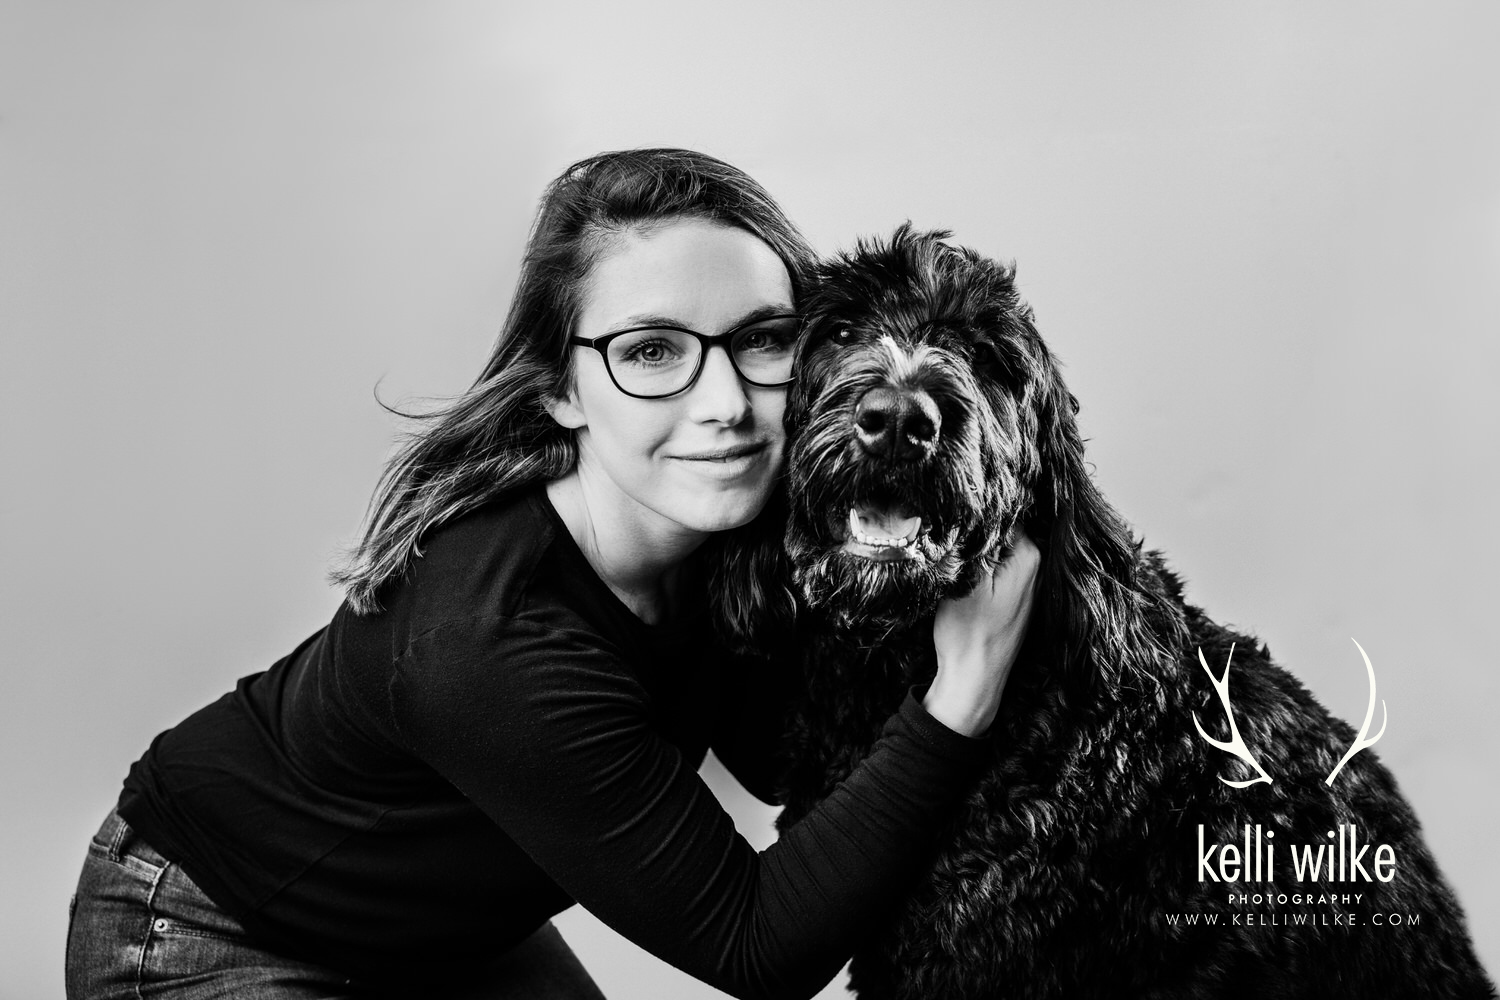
691	271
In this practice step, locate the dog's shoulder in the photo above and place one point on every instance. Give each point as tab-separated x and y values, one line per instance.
1256	676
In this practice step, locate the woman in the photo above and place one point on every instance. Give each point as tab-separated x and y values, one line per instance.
507	713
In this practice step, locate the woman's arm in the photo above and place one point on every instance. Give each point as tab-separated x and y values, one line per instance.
556	742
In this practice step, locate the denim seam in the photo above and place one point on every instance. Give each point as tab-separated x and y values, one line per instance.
141	867
140	965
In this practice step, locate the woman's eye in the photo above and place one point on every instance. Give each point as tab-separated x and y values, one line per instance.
649	351
776	339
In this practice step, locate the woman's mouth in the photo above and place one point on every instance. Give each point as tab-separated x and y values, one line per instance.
730	462
729	454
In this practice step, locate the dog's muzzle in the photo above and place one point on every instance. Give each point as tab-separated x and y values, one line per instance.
893	427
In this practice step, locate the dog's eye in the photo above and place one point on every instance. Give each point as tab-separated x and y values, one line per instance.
842	336
988	360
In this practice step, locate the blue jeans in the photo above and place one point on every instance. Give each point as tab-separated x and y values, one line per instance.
141	928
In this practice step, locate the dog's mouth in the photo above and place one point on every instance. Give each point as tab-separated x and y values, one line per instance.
883	534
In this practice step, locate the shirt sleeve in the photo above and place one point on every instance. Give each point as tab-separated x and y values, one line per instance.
551	735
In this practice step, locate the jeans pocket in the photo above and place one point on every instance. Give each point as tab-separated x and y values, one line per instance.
195	949
183	909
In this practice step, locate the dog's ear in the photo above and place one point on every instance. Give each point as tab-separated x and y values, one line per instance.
749	583
1092	608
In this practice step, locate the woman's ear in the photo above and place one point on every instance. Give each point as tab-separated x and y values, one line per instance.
564	409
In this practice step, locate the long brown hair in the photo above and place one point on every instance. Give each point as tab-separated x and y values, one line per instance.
498	436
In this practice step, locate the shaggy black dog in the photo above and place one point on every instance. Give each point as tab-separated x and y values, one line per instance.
1113	848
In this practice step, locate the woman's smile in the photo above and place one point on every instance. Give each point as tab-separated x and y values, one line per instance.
730	455
748	462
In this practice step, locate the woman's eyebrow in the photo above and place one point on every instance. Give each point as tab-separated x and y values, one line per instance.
646	319
657	319
763	312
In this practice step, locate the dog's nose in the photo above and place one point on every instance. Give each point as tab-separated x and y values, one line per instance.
899	425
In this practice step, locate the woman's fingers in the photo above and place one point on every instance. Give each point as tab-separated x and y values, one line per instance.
977	638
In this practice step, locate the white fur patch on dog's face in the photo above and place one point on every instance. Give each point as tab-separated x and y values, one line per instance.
905	360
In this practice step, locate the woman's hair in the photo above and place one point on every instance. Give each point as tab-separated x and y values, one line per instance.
498	435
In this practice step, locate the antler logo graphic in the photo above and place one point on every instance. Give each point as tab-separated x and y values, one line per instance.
1236	744
1360	743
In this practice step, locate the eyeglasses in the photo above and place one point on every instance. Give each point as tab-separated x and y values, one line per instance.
652	362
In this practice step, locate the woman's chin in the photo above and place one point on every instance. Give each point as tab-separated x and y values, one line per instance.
718	510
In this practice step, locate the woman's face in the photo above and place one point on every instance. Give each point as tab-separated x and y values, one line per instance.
706	458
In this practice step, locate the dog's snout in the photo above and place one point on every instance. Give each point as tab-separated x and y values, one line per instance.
899	425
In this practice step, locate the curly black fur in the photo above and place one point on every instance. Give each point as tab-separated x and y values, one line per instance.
1057	875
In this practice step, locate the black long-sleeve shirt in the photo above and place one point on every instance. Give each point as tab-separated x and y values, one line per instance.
409	793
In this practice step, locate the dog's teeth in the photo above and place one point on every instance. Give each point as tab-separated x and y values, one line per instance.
858	534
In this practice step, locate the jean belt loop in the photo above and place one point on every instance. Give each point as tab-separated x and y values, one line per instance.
119	841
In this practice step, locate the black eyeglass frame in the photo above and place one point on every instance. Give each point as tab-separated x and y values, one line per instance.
706	341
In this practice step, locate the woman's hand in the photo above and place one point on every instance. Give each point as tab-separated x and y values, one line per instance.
977	639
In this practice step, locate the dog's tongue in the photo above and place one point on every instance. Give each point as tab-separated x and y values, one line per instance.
885	525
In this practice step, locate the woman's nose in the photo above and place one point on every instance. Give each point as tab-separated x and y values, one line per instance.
719	394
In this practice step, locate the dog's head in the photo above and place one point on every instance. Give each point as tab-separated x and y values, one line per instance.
928	422
914	424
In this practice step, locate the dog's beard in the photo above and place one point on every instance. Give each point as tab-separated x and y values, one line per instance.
862	593
875	547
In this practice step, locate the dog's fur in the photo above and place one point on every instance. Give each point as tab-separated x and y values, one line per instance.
1060	873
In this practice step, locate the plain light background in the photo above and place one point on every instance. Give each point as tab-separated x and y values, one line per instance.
1264	238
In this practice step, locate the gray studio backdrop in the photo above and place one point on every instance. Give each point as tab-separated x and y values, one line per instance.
1265	239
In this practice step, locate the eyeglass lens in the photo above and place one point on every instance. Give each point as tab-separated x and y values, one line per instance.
659	362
